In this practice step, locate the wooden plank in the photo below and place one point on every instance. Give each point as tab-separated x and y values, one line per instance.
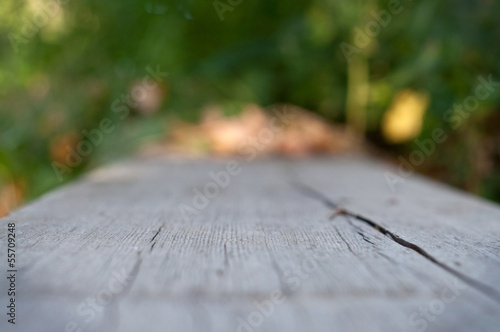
113	252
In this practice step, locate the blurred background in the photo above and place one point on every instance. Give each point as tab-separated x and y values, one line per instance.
374	75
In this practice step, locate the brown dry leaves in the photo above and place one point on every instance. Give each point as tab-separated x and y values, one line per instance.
11	196
299	133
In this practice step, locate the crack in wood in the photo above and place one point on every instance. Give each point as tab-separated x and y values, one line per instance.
156	234
154	237
354	253
359	230
492	293
226	258
345	241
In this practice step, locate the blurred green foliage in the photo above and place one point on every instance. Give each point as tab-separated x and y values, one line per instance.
65	76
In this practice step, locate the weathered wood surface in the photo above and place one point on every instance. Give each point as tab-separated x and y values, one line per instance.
273	251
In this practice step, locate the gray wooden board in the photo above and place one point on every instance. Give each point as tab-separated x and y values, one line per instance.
268	253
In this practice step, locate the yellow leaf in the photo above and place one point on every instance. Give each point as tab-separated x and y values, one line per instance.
403	120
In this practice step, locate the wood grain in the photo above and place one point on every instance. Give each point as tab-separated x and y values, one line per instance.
270	252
